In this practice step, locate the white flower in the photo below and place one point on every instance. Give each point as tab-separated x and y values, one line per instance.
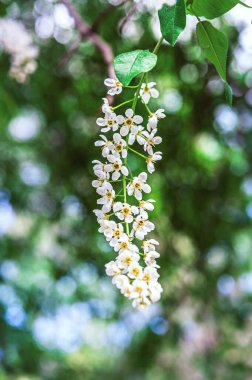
151	141
105	226
18	43
126	290
150	259
124	211
142	226
116	167
102	178
128	121
153	119
99	169
106	107
120	146
112	269
151	160
138	185
149	245
155	291
136	135
125	246
108	195
139	289
114	85
107	146
150	274
100	215
135	271
121	282
109	122
140	303
145	205
148	91
125	259
114	233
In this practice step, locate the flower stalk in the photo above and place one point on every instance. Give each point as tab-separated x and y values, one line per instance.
126	224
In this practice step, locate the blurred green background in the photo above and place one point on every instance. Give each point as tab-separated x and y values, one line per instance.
60	316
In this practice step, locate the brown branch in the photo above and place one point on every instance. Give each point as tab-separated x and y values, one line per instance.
68	55
127	18
104	14
101	17
86	33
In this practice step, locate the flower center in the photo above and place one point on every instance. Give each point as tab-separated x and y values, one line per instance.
141	204
138	289
135	271
146	89
124	245
119	147
117	233
146	277
137	185
141	223
116	166
128	260
109	194
126	210
129	121
110	122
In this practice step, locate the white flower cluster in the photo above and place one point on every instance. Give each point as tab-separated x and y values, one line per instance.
123	214
17	41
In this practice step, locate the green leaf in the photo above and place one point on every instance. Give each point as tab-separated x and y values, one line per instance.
172	20
215	45
228	94
129	65
213	8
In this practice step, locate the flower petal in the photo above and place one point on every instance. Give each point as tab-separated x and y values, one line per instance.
129	112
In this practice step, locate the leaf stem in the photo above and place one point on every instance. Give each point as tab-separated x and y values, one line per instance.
155	50
139	154
122	104
137	92
159	43
149	111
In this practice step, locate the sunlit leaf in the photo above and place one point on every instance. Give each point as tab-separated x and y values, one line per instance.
129	65
172	21
215	45
213	8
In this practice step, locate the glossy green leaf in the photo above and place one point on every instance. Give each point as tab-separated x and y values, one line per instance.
172	21
215	45
213	8
129	65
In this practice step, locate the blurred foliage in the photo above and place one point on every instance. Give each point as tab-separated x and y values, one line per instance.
60	318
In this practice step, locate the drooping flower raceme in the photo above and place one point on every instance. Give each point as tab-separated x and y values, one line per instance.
16	41
123	196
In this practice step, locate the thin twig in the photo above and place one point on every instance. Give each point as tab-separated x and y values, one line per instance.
68	55
101	17
86	33
127	18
